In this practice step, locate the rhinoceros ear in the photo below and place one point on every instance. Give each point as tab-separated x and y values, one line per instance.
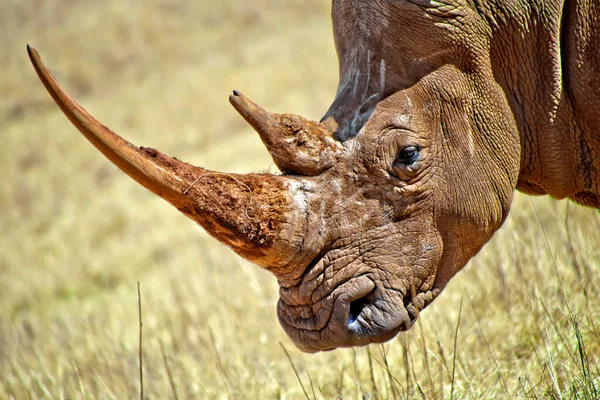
297	145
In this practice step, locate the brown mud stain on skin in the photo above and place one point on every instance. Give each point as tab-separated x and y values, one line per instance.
245	212
304	131
231	210
150	151
183	170
311	143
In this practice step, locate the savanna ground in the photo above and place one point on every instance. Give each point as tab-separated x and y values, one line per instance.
77	234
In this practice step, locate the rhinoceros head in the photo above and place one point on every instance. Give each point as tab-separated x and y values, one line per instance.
408	175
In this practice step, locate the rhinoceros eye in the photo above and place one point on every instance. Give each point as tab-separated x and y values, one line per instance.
408	155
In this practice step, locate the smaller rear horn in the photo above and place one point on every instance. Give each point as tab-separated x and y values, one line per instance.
297	145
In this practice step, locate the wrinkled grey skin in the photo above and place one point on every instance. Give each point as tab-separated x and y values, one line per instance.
444	108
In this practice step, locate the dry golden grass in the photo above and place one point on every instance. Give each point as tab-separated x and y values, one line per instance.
77	234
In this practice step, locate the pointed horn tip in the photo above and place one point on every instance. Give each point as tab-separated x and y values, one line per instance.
236	97
255	115
243	104
32	53
157	172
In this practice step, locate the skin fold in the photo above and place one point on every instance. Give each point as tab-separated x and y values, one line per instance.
443	109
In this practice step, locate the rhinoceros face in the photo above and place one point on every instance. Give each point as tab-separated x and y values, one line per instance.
381	249
409	174
413	196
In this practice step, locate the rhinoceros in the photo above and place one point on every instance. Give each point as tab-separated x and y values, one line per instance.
444	108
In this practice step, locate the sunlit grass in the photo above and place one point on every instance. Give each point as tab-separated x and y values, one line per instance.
77	235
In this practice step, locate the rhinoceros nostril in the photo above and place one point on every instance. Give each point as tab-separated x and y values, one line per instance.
356	308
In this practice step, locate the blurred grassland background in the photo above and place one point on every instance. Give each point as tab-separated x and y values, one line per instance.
77	234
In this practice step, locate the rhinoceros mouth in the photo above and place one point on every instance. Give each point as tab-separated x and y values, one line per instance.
356	312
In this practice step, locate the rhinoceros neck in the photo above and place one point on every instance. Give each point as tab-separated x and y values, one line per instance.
543	55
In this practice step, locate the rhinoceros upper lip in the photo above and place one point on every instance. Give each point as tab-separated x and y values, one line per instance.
312	270
333	326
344	293
372	322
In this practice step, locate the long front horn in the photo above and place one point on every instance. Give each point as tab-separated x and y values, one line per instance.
257	215
297	145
